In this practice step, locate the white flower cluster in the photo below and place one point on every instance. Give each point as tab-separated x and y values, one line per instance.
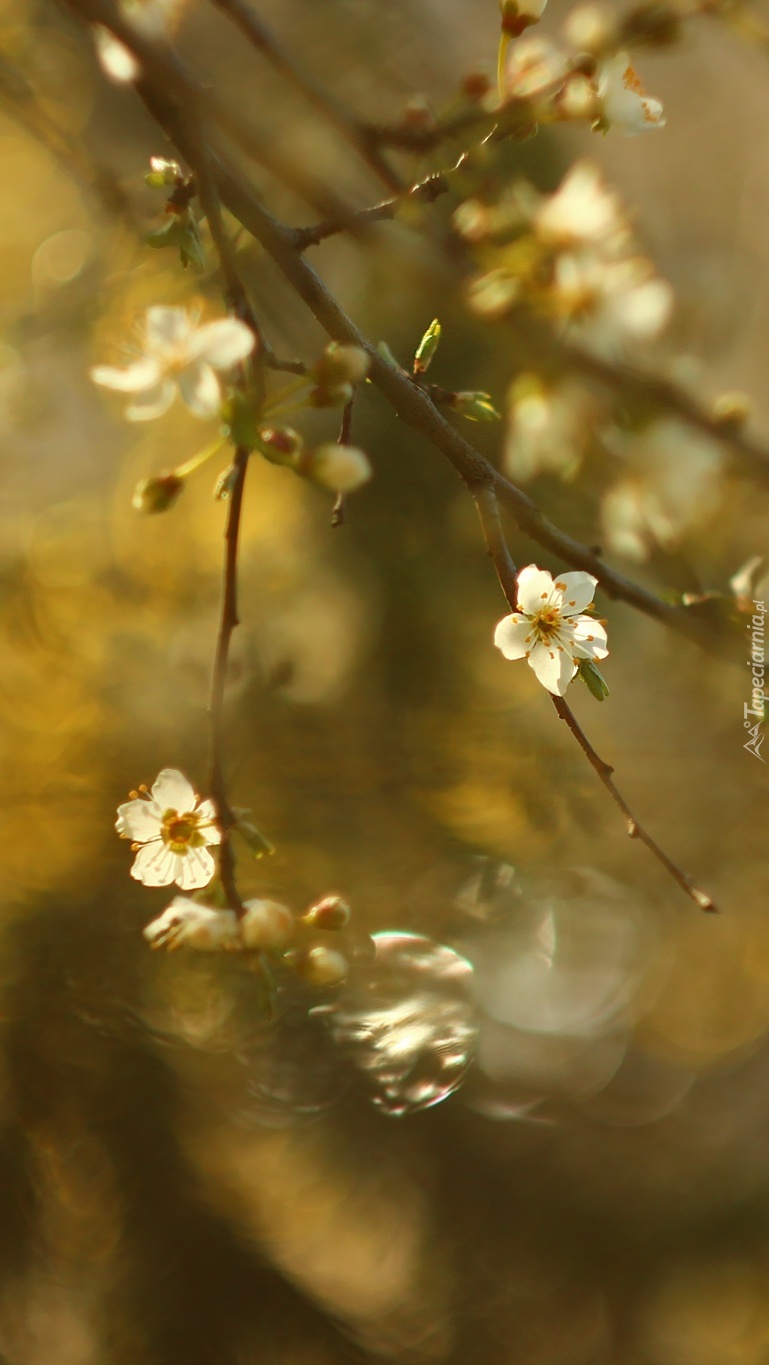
571	256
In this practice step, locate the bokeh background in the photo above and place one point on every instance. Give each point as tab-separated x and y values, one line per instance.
182	1179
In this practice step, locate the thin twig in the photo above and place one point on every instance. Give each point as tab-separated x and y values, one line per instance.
352	129
426	191
488	512
604	772
228	620
338	511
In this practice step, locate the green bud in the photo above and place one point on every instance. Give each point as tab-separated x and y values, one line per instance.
259	845
593	679
331	913
423	356
157	494
476	407
384	351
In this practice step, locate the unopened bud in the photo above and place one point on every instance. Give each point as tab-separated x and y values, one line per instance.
331	395
731	409
280	445
476	86
423	356
593	679
518	15
476	407
418	114
338	467
341	365
266	926
320	967
157	494
330	913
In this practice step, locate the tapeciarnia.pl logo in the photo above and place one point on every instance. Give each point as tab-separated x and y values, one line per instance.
757	665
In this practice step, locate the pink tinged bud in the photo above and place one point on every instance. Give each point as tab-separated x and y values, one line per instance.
330	913
266	926
282	445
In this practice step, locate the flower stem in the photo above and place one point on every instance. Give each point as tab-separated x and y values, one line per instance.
195	461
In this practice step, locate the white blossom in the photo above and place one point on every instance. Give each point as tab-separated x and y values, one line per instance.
185	924
624	102
171	830
548	628
534	65
581	212
178	353
615	303
549	427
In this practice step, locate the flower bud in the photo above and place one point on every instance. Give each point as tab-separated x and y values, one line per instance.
518	15
423	356
341	365
593	679
331	395
331	913
338	467
653	23
592	28
320	967
280	445
157	494
266	926
476	407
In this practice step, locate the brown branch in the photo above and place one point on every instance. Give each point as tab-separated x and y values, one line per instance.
488	512
338	512
355	132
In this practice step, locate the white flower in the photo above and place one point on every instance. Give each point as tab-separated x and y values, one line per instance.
581	212
340	468
173	830
266	925
616	303
547	628
624	101
177	352
185	924
533	66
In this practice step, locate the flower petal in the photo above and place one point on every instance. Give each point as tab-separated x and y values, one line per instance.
513	636
166	329
194	869
172	791
535	586
199	387
589	639
577	591
206	812
554	668
222	343
143	374
154	864
138	820
151	403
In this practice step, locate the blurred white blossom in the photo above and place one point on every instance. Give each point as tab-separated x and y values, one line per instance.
172	830
548	629
549	427
177	353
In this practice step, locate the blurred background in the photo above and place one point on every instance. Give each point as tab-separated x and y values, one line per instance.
182	1179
